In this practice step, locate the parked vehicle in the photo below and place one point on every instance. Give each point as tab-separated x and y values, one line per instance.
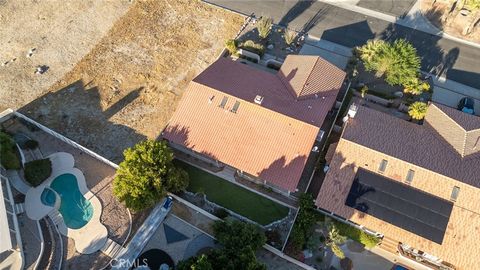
466	105
167	204
400	267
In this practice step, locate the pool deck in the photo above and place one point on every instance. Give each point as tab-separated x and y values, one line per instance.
93	235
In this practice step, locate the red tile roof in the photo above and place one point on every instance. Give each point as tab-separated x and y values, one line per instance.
306	76
271	141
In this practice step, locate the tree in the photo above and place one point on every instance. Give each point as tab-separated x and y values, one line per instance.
397	61
145	175
415	86
289	36
418	110
306	218
239	243
264	26
232	46
235	235
334	240
8	152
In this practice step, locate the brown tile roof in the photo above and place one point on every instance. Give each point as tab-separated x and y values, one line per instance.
271	141
460	244
467	121
306	76
413	143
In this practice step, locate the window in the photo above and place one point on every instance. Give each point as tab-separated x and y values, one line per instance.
410	175
224	101
235	106
455	192
383	166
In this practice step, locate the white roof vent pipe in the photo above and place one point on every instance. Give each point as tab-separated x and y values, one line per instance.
352	111
258	99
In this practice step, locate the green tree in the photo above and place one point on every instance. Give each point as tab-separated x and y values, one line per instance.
334	240
8	152
415	86
418	110
398	62
235	235
264	26
306	218
195	263
145	175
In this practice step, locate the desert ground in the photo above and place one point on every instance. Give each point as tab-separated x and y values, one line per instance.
61	34
126	87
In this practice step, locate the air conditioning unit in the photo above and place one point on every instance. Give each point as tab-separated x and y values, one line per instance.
258	99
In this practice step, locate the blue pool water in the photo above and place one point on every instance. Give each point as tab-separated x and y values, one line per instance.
75	209
48	197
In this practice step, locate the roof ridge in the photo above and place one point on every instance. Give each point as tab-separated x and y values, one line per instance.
308	77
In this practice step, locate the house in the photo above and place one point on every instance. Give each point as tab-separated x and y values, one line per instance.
418	185
260	123
11	250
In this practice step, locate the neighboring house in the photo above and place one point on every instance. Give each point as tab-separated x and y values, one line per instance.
11	254
263	124
418	185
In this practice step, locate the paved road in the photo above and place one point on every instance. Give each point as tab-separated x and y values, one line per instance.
441	56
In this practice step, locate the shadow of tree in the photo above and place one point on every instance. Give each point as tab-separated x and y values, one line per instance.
76	112
300	7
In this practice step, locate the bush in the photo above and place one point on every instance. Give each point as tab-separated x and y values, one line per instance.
290	36
418	110
31	144
37	171
251	46
221	213
232	46
8	152
273	237
357	235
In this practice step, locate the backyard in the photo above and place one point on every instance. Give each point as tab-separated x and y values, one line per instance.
233	197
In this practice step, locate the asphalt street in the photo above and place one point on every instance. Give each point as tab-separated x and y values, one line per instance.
440	56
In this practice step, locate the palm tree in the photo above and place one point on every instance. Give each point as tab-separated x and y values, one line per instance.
415	86
334	240
264	26
289	36
418	110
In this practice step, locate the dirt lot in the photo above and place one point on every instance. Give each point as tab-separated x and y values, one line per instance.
62	32
127	87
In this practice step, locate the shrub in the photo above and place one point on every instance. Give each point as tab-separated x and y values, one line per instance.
232	46
289	36
415	86
264	26
31	144
37	171
418	110
357	235
257	48
273	237
8	152
221	213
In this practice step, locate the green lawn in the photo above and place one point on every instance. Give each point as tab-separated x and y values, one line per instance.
233	197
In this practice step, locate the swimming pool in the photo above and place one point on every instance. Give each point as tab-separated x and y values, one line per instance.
48	197
75	209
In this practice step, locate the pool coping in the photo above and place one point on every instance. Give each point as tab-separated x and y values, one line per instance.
93	235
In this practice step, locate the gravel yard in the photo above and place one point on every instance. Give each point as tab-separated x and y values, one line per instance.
127	87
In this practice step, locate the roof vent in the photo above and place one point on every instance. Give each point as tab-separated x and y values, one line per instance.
352	110
258	99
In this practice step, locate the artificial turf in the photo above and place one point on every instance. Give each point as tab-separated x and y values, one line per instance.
233	197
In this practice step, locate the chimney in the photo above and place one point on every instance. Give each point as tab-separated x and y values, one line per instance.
258	99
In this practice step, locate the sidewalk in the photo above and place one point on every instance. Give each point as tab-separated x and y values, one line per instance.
414	19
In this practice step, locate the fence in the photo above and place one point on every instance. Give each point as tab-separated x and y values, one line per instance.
66	140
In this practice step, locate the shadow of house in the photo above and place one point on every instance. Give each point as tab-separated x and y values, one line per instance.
358	34
76	112
300	7
279	169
